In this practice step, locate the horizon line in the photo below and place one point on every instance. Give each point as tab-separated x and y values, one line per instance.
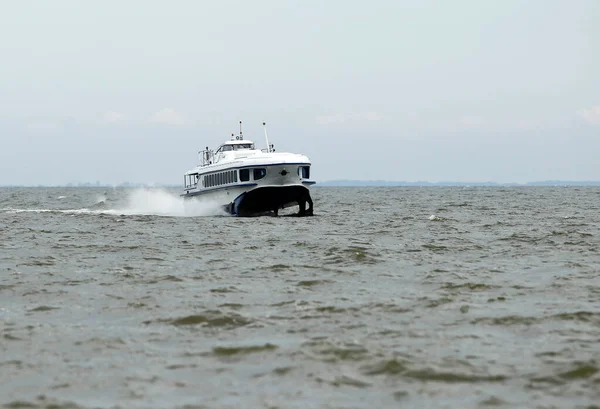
341	183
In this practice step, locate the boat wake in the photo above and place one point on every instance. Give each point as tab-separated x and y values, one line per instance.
143	201
158	202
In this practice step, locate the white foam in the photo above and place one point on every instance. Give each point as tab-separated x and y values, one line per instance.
161	203
144	201
10	210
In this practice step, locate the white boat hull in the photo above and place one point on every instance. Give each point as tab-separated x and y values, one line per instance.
281	188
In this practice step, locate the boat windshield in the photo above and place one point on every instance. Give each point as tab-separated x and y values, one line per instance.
237	146
242	146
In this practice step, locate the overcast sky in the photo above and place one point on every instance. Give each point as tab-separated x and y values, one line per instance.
462	90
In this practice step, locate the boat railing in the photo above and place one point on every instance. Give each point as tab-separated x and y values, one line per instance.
207	157
189	185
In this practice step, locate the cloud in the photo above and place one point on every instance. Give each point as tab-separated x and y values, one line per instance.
369	116
112	117
43	127
330	119
169	116
449	124
347	117
528	124
591	115
471	122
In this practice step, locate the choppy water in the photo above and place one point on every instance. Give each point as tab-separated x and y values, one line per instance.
388	297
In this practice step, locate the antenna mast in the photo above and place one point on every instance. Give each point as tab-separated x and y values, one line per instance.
241	137
266	137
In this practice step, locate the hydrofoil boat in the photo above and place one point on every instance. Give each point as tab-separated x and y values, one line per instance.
248	181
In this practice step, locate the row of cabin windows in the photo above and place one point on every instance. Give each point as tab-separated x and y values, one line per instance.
231	176
221	178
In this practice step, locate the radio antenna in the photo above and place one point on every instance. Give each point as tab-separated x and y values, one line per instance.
266	137
241	137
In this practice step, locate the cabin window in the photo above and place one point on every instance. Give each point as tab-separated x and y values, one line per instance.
259	173
227	148
304	172
235	175
244	175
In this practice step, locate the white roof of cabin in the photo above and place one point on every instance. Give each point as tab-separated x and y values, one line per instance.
238	142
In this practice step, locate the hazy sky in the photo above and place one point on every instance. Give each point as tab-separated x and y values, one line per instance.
461	90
